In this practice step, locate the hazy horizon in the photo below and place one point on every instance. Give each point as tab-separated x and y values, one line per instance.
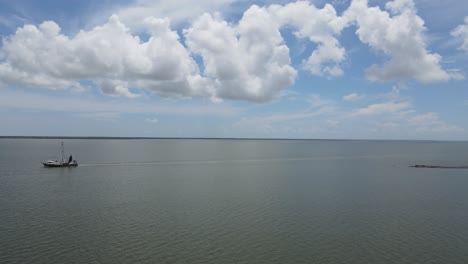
229	138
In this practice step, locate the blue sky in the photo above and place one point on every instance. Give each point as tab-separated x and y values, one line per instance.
271	69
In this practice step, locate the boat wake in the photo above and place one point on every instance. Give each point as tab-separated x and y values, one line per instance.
184	162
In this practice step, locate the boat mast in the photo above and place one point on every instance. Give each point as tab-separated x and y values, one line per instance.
62	150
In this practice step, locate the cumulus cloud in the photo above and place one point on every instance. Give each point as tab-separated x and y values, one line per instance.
247	60
321	26
250	60
397	32
461	32
107	55
354	97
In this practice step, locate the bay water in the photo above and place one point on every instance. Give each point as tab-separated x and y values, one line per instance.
233	201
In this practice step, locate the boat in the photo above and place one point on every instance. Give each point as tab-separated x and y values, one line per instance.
62	162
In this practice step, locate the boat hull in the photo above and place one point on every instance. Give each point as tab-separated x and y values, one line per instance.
48	165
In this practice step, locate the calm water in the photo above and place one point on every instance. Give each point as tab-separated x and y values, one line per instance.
232	201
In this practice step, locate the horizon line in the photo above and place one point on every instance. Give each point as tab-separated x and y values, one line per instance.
218	138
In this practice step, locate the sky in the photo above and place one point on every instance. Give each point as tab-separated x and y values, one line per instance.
339	69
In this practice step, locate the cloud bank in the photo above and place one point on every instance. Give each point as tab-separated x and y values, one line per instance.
212	58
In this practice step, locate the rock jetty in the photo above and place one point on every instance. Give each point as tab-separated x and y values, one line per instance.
439	167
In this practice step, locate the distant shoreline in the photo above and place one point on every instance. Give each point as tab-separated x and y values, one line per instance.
221	138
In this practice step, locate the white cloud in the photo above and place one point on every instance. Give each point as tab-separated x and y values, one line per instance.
247	60
321	26
382	108
116	87
424	119
431	122
107	55
390	116
152	120
250	61
398	32
461	32
398	117
354	97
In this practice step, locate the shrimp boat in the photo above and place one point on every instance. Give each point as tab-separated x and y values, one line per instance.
61	163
